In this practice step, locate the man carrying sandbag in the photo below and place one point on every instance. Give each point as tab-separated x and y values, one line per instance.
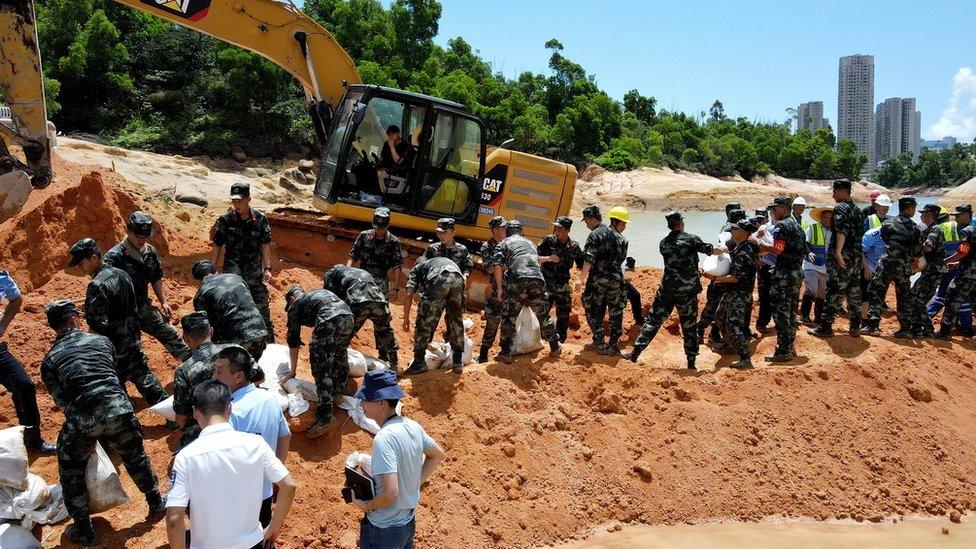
441	287
332	324
234	316
368	302
524	285
79	372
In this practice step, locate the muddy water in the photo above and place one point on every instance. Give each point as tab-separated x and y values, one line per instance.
908	534
646	229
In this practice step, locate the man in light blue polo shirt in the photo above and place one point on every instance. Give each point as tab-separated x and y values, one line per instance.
253	410
404	456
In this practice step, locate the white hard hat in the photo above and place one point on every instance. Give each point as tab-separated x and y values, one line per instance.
884	200
799	201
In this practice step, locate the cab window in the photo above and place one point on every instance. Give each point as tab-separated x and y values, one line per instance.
455	162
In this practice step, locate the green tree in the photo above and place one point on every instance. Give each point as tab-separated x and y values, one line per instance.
642	107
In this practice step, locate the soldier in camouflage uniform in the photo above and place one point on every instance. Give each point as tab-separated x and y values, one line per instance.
524	285
368	302
243	235
933	246
844	269
557	254
493	305
603	281
140	261
713	294
230	308
377	251
111	311
790	247
449	248
442	290
737	301
333	325
194	371
79	372
679	288
903	243
964	285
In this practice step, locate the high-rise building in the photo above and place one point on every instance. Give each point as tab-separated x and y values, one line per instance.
937	145
809	116
897	128
855	104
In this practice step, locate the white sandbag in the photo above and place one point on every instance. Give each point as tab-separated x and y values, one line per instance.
467	356
357	363
717	265
52	513
351	405
13	458
375	364
297	405
438	354
528	335
282	396
15	537
102	480
362	460
275	362
302	387
164	408
724	237
16	504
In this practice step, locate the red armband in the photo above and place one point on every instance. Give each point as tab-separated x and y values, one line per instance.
964	248
779	246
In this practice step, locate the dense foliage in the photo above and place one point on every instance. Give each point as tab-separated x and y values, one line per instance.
141	82
946	168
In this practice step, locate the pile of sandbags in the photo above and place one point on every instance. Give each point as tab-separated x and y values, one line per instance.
440	355
24	496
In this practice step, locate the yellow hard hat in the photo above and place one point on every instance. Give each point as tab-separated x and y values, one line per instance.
620	213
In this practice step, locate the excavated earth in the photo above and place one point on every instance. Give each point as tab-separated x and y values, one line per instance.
547	448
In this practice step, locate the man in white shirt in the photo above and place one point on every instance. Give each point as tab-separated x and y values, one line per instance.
254	410
222	473
404	456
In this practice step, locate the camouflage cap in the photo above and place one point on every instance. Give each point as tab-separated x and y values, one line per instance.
732	206
933	209
444	224
673	217
513	226
197	320
381	217
736	215
964	209
84	248
295	291
592	211
59	310
202	268
907	201
780	201
496	221
240	190
141	224
761	212
746	225
564	222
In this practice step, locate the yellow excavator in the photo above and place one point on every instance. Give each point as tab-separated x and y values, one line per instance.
444	167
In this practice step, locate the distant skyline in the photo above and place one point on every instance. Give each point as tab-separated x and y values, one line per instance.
759	58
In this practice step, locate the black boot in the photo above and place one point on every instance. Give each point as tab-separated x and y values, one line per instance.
81	532
691	363
823	330
805	305
483	355
157	506
818	306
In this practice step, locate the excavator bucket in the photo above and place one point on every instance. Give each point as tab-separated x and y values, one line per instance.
25	126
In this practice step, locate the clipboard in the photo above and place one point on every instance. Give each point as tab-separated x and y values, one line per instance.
360	484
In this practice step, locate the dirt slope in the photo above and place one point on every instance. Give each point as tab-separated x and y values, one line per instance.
544	449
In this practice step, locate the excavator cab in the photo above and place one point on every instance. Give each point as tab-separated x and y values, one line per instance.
439	161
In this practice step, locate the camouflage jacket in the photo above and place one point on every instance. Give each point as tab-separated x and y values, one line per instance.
194	371
79	373
519	259
605	251
242	240
142	272
902	238
680	252
789	245
569	253
111	309
427	271
231	309
934	238
744	267
375	255
353	285
967	265
489	260
310	309
849	221
458	253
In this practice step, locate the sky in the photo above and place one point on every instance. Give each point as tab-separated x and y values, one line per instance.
758	57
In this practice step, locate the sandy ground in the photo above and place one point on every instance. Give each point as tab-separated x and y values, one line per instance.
545	449
663	189
963	193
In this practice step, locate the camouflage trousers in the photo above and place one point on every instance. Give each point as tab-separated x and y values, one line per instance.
764	287
664	302
922	291
843	283
561	297
259	292
379	313
531	293
961	288
329	358
132	365
152	322
253	344
600	296
784	291
891	270
710	313
737	306
76	442
444	296
494	309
